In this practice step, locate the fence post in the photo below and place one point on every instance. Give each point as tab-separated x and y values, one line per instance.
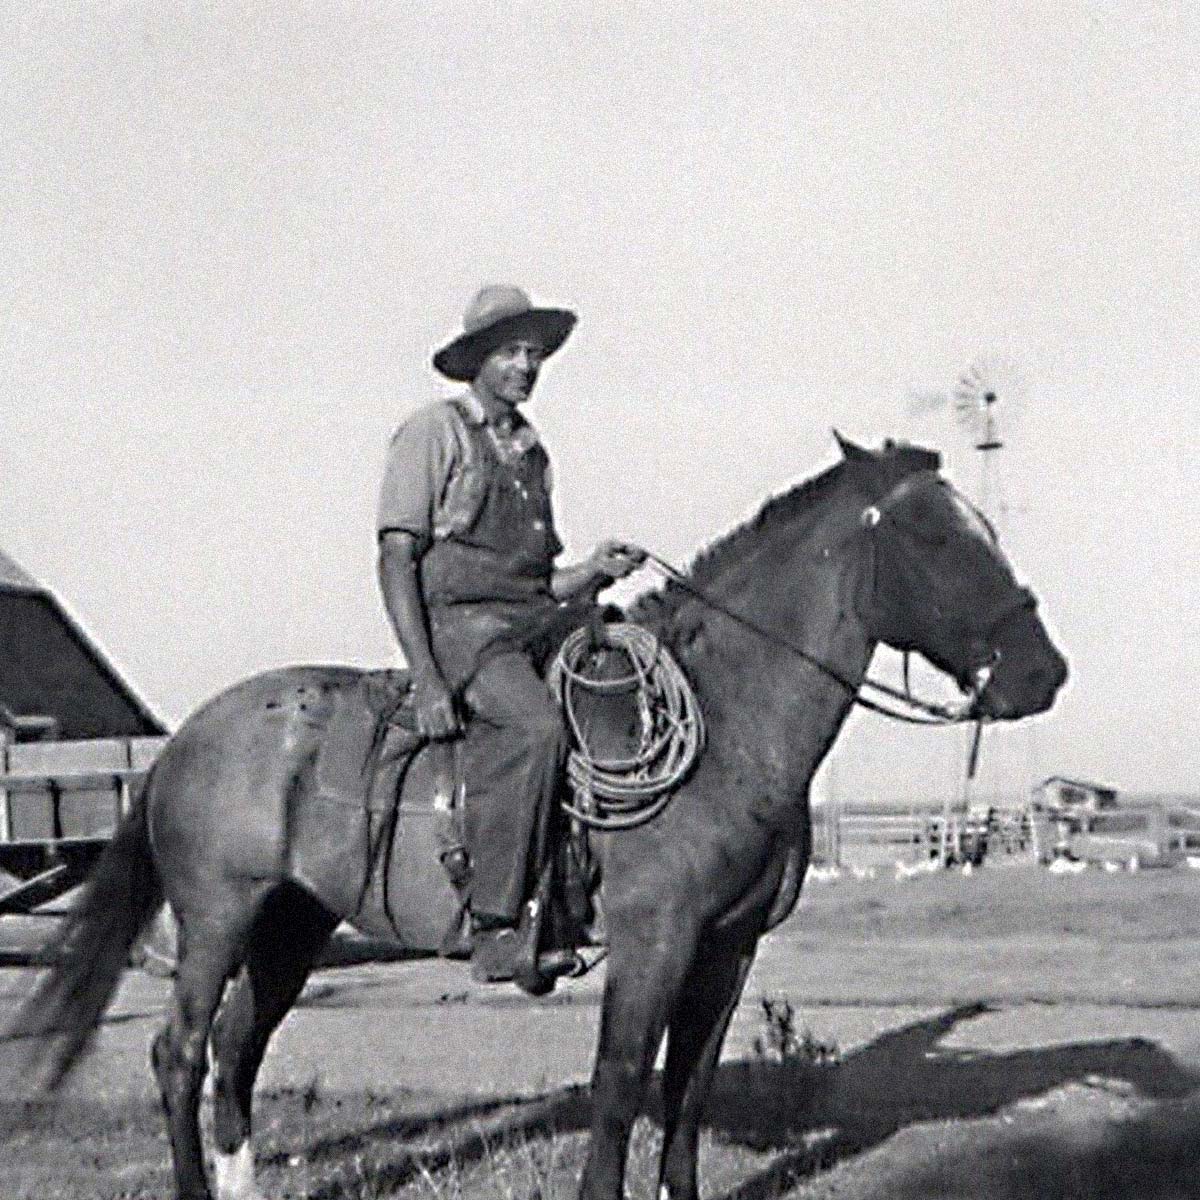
1156	827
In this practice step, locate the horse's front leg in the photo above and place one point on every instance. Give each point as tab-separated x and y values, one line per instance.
646	969
696	1033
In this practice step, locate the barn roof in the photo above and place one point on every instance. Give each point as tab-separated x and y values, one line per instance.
1086	784
50	667
13	575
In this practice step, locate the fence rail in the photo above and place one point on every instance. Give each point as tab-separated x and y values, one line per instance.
1158	834
60	803
919	835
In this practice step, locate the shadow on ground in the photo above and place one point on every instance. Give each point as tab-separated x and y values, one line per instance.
1151	1157
815	1117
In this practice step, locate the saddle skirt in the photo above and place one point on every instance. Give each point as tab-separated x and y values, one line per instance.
397	816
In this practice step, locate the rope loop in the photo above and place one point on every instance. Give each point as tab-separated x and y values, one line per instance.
620	793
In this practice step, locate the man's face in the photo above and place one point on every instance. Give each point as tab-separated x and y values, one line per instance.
510	371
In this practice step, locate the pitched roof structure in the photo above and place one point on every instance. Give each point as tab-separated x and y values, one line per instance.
50	668
1086	785
12	575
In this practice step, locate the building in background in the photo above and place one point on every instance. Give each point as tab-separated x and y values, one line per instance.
1057	794
55	683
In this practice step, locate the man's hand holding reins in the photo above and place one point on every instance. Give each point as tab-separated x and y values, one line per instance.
609	561
617	559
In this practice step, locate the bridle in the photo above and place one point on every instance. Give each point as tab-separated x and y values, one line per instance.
874	518
879	518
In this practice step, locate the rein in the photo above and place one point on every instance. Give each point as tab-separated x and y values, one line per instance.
927	712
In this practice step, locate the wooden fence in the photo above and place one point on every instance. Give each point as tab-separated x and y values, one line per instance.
59	805
864	838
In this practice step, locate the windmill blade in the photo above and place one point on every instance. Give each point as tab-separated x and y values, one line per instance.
968	410
990	385
987	392
971	378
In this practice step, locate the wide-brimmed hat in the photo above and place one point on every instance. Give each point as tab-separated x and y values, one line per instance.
498	314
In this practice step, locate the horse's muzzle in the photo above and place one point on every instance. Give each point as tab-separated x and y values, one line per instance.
1023	684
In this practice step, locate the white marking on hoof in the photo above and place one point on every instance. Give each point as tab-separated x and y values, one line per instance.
234	1174
664	1192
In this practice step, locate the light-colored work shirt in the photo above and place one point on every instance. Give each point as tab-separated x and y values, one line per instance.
435	478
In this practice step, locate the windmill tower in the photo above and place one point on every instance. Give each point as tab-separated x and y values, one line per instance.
976	401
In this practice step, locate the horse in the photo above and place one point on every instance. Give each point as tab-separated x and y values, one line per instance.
774	624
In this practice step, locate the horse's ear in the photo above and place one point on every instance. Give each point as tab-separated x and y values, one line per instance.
851	452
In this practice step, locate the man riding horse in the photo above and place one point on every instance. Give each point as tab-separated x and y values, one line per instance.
466	565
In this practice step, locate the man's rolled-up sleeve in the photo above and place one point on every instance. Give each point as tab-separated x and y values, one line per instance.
414	475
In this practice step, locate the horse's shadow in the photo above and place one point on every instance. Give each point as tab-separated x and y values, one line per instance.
815	1116
907	1076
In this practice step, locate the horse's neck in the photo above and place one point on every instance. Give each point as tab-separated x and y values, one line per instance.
776	713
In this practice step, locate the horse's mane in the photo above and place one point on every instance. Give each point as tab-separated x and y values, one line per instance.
655	609
786	509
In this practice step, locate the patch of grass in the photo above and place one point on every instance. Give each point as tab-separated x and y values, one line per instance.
74	1149
783	1044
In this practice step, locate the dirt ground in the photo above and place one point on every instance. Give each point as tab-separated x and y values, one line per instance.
956	1074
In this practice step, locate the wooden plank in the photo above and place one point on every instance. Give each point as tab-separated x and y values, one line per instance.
66	844
32	814
5	813
65	781
46	886
143	751
89	812
73	757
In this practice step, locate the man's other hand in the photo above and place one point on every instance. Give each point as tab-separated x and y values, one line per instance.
434	707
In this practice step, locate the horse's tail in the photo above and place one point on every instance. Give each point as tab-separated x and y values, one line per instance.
57	1021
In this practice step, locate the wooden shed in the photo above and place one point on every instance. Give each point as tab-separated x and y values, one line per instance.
1057	794
75	740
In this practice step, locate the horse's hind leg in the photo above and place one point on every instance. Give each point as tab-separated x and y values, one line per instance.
695	1034
212	931
283	944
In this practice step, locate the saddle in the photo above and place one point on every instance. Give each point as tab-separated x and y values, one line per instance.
399	802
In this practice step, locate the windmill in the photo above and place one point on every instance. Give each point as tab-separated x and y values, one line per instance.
975	400
987	385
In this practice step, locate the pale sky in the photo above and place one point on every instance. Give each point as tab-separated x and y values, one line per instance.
233	234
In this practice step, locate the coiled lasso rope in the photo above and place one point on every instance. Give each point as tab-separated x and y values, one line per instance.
619	793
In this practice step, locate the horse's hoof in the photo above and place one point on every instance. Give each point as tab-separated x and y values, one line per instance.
561	962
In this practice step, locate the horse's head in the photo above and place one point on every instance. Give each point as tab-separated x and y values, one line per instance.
941	586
